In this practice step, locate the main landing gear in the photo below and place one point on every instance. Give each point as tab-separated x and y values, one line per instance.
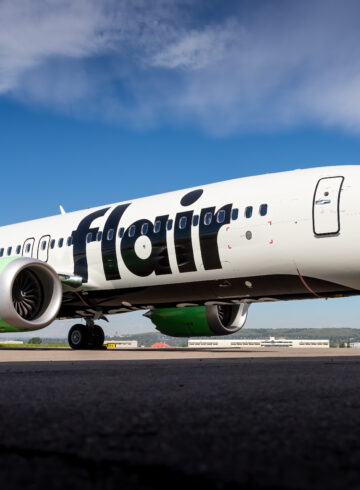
89	336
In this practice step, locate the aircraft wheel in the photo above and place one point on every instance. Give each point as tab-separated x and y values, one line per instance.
97	338
78	336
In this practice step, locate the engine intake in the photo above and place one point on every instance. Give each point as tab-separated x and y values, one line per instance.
30	294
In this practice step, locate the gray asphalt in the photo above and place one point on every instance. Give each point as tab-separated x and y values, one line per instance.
220	422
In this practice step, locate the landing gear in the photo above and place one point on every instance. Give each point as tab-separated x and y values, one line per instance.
89	336
98	337
78	337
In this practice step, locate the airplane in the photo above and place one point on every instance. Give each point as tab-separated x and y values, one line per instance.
194	259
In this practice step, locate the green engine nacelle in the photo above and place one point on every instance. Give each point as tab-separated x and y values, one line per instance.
199	321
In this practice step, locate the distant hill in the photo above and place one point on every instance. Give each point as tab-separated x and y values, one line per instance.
335	335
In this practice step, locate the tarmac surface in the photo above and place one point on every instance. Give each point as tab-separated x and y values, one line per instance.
269	418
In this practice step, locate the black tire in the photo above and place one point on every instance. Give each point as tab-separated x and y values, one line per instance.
97	338
78	337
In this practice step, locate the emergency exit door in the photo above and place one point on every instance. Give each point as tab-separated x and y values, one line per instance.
28	247
326	206
43	248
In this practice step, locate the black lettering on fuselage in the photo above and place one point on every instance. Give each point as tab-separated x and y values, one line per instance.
158	259
79	242
183	243
209	234
108	248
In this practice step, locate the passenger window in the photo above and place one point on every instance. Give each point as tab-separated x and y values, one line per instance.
52	245
110	234
69	241
182	222
157	226
169	224
144	229
263	209
121	232
220	218
248	212
28	247
89	238
207	219
99	236
60	242
131	232
234	214
195	220
18	249
9	250
1	252
43	245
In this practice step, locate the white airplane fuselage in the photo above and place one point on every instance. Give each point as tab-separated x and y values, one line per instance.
291	235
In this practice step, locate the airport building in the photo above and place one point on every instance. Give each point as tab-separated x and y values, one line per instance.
11	342
271	342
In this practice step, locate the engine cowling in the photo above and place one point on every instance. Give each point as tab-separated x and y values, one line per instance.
30	294
199	321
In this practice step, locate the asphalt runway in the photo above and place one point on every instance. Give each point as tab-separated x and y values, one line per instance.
266	419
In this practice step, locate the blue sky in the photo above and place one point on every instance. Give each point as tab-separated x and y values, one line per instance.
102	101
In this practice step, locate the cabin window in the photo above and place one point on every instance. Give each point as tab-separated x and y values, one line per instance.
1	252
99	236
28	247
248	212
182	222
121	232
131	232
52	245
263	209
144	228
169	224
60	242
110	234
157	226
18	250
69	241
220	218
234	214
208	219
89	238
43	245
195	220
9	250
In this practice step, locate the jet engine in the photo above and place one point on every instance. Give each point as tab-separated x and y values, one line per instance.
30	294
199	320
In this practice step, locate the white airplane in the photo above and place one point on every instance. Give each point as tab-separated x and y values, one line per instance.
195	259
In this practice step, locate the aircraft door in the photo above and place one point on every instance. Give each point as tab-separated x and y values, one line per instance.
43	248
326	206
28	247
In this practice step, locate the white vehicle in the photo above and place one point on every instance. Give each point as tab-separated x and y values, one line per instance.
194	259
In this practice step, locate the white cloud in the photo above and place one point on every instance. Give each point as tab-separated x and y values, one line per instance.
140	63
198	49
33	32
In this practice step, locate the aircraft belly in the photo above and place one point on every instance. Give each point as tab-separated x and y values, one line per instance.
232	290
